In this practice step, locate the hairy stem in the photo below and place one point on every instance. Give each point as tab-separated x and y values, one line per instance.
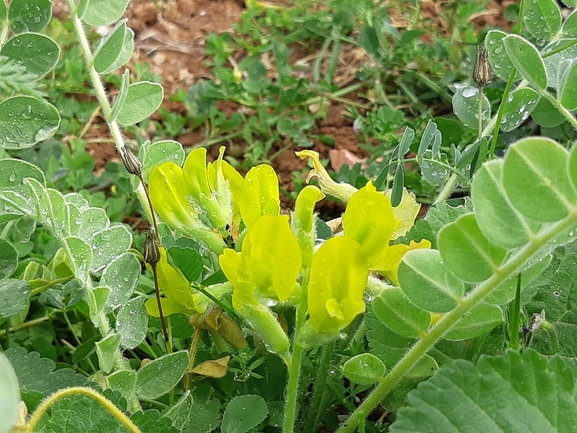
421	347
107	404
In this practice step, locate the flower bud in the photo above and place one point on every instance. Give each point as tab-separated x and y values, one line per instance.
151	251
131	162
482	71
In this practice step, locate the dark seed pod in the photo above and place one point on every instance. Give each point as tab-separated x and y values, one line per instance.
131	162
151	251
482	71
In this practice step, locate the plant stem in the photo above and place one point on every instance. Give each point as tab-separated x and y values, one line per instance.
447	189
515	316
421	347
158	303
313	412
25	325
89	392
291	409
500	112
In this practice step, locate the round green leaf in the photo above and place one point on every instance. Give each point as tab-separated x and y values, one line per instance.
160	152
568	87
14	171
121	57
478	321
467	252
110	47
570	25
400	315
466	107
25	120
29	15
132	323
37	53
142	100
161	375
14	296
427	282
107	350
364	369
520	104
496	218
9	395
101	12
527	60
121	276
108	244
545	114
536	179
498	56
122	381
244	413
8	259
542	18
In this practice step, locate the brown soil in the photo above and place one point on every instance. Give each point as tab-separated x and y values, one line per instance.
170	35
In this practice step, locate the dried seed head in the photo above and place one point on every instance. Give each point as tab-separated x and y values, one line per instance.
131	161
151	251
482	71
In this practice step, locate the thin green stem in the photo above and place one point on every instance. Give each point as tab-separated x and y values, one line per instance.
25	325
515	317
500	112
447	189
159	304
89	392
49	284
319	387
294	367
420	348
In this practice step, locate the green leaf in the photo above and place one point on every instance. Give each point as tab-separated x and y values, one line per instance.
538	165
121	276
527	60
132	323
121	98
37	374
364	369
387	345
123	381
478	321
161	375
547	115
8	259
109	244
400	315
25	120
497	219
498	57
570	25
506	292
462	397
101	12
79	413
142	100
14	295
568	89
542	18
2	11
466	107
466	252
158	153
37	53
81	256
180	413
369	40
244	413
205	417
281	55
428	136
152	421
29	15
14	171
188	261
107	351
427	282
520	104
107	55
9	395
